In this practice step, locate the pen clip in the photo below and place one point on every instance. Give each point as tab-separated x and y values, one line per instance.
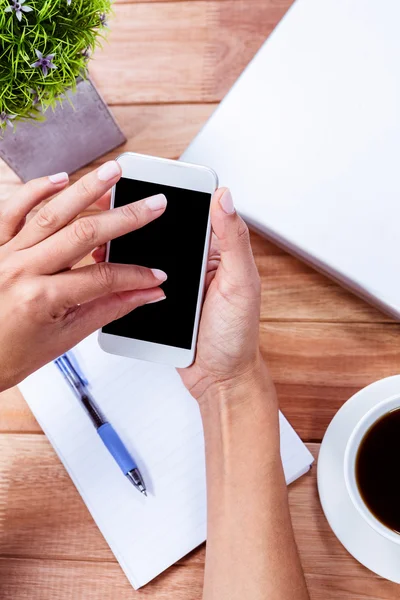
71	370
73	362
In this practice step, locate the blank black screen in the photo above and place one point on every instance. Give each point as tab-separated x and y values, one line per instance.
174	243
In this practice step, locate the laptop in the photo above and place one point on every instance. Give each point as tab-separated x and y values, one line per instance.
308	140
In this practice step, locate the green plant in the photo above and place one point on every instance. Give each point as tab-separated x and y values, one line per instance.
44	47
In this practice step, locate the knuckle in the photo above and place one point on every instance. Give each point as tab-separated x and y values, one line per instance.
84	188
243	231
142	276
42	301
30	294
35	187
6	212
105	275
121	310
46	218
10	271
131	213
8	221
252	282
84	231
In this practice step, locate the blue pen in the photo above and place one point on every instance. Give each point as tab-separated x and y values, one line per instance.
69	367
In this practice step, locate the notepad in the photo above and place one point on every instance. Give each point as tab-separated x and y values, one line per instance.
160	424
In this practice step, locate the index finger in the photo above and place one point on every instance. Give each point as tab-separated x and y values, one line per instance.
66	206
66	247
14	210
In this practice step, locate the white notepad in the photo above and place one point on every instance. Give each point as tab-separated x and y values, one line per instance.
308	140
160	423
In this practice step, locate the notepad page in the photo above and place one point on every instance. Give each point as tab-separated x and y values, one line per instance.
160	424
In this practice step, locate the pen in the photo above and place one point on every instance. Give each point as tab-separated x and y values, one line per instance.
69	367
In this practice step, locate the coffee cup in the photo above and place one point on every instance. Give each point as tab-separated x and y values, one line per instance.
365	425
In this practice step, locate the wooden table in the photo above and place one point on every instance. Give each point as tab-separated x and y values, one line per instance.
166	67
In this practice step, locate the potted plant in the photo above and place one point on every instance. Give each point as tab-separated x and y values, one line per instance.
51	116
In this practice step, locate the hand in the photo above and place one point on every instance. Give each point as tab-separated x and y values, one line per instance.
228	343
46	306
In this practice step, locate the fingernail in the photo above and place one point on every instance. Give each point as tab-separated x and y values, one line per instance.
156	202
59	177
226	203
108	171
158	274
158	300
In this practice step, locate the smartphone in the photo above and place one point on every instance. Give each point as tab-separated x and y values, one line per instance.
178	243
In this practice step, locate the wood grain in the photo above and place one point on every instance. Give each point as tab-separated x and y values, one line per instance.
164	69
61	580
64	580
291	290
41	542
54	523
181	51
15	415
161	130
316	368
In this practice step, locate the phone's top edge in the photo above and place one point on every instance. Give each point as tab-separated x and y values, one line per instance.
149	157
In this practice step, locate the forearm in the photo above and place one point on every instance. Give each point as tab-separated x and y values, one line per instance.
251	552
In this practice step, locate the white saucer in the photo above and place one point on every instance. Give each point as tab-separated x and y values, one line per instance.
375	552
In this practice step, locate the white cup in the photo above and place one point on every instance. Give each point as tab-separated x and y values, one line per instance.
350	456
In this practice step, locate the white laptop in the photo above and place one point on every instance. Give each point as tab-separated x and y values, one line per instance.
308	140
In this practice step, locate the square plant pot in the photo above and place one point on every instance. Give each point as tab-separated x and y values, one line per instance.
72	136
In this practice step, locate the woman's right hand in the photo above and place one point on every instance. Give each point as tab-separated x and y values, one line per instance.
228	342
46	306
246	488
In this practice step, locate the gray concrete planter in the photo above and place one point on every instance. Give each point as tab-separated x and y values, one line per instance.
69	138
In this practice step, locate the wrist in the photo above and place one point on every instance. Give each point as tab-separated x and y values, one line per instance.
240	410
253	384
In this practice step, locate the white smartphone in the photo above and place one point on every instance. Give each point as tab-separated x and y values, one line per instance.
178	243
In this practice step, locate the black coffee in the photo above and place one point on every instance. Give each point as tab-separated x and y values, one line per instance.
377	469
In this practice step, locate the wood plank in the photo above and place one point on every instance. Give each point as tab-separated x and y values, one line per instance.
317	367
164	130
331	573
62	580
178	52
149	50
181	51
45	549
15	415
291	290
42	527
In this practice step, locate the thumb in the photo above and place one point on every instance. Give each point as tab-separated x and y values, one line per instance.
232	232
